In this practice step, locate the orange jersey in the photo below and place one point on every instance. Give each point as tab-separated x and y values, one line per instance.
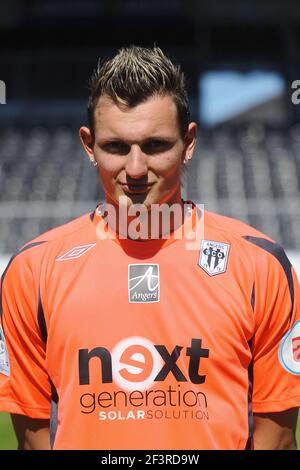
145	344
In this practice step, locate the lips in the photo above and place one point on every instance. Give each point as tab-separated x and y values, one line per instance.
136	188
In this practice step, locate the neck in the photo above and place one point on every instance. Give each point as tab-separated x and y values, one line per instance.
142	223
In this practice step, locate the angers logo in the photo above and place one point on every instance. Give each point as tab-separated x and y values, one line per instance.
213	257
143	283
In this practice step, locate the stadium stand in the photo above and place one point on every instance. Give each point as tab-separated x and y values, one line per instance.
248	171
255	170
251	172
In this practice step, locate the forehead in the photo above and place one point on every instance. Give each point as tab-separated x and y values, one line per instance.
157	116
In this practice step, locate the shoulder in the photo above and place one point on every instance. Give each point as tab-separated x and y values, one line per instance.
74	233
233	229
62	231
259	249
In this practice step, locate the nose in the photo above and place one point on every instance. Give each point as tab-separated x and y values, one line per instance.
136	164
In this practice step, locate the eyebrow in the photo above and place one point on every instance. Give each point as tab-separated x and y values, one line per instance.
106	140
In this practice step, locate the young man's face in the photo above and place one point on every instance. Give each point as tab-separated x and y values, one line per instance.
139	151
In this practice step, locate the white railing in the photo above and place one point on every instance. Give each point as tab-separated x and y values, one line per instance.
48	209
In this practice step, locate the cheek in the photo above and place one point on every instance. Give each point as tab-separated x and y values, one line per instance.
168	165
108	164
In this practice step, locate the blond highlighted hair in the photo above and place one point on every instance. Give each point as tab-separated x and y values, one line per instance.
135	74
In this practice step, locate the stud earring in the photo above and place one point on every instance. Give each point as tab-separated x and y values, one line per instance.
93	162
187	159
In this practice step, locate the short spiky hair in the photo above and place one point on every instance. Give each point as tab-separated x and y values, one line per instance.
134	75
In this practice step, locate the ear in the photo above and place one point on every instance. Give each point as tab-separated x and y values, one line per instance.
189	142
87	142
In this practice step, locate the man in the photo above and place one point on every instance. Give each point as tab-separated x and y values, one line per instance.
117	334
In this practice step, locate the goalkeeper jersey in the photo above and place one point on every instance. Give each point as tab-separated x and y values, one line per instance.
153	344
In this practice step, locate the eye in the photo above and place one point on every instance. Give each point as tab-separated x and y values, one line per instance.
156	146
119	148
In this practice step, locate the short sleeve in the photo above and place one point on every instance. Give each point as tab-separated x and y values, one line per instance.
276	361
24	383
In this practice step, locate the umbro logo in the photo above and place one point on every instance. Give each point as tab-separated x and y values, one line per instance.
75	252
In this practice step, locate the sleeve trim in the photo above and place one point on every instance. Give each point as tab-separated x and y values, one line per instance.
31	411
278	252
276	405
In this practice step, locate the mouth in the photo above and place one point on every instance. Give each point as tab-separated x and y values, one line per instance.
133	188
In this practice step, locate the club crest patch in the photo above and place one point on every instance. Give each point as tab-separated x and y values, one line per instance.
213	257
289	350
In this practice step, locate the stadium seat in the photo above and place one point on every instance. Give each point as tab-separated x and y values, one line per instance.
249	172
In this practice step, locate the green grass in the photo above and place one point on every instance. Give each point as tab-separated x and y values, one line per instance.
8	440
7	436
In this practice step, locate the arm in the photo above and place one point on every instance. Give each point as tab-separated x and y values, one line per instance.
275	431
275	377
24	387
32	434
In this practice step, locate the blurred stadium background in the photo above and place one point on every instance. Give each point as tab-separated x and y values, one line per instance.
241	58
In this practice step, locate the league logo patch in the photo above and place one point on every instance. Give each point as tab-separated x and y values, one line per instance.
75	252
213	257
289	350
4	359
143	283
296	348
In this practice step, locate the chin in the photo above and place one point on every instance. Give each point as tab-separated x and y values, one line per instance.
132	199
140	199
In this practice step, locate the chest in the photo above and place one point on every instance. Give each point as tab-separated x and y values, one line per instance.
166	308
